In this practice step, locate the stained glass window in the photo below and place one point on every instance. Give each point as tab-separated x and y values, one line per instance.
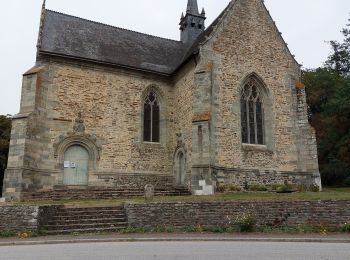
151	119
252	113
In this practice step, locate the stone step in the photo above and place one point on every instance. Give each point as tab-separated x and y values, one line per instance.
102	193
85	213
86	226
64	221
60	217
87	219
90	212
85	230
92	209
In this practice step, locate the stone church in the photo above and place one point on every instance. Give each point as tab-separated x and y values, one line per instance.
106	108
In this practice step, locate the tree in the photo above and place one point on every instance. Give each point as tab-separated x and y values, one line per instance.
339	60
328	90
5	131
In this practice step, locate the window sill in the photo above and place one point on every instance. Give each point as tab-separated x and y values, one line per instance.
151	143
255	147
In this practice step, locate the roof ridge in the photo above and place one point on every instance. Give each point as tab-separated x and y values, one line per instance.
112	26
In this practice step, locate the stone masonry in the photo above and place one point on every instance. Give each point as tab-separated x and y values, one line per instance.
298	214
19	218
329	214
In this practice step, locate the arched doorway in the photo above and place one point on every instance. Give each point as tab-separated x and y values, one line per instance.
180	168
76	166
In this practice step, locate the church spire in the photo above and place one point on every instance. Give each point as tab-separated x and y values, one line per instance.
192	24
41	27
192	7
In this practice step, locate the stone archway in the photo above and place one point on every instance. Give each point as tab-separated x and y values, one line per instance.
77	147
180	167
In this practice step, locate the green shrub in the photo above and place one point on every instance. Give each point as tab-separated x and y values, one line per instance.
220	187
335	173
227	187
347	182
42	231
132	230
346	227
302	188
275	186
257	187
214	229
290	230
246	222
286	188
7	233
188	229
198	228
233	187
165	229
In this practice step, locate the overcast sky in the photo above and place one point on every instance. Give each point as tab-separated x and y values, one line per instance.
306	26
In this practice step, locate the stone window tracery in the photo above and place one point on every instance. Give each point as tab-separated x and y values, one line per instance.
151	120
252	113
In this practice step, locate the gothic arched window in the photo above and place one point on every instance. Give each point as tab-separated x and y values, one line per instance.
151	119
252	113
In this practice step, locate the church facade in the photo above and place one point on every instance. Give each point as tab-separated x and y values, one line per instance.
108	107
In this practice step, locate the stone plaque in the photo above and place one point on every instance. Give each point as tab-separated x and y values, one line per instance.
201	117
149	192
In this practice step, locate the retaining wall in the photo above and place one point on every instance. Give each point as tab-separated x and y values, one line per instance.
330	214
291	214
19	218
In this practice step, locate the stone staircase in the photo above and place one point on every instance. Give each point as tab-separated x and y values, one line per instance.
98	193
86	220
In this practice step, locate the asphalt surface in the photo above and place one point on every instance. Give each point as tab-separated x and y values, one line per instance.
162	237
176	250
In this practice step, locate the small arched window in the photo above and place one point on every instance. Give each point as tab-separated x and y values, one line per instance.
151	119
252	113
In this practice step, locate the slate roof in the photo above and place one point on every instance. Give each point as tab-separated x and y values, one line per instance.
74	37
70	36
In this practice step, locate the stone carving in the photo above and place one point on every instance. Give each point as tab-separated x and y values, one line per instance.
79	126
149	192
179	139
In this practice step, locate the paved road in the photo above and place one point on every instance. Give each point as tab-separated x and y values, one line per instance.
179	250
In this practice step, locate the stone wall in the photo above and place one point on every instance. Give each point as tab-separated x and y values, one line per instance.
242	177
183	113
256	48
19	218
111	102
136	180
331	214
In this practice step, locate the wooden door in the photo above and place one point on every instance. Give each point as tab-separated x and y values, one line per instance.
76	166
180	168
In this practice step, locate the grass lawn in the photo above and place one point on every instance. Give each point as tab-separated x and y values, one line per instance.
326	194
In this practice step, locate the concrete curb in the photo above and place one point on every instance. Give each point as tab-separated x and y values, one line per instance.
180	239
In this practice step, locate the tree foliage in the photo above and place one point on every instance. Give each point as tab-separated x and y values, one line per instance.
339	60
328	90
5	131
